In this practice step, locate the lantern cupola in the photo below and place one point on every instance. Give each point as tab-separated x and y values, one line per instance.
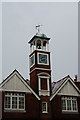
39	42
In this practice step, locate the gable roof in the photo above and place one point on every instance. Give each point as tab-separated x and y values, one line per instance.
25	82
57	86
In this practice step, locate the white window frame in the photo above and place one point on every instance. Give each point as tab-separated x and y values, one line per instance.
8	94
30	60
42	63
42	91
44	110
66	105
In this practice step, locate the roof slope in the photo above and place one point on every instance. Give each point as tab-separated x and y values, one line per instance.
57	86
16	82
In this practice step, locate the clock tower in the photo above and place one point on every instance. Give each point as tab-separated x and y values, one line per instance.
40	71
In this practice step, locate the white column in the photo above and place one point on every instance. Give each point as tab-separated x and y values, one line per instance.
39	84
36	44
48	84
33	47
41	44
30	49
48	45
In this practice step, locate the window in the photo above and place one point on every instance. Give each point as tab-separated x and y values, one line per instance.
14	101
38	44
69	104
44	45
43	83
32	60
44	107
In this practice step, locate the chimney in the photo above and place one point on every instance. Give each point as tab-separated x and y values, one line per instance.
75	79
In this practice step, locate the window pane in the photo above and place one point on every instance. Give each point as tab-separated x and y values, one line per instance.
68	104
17	101
14	102
63	104
21	94
44	107
74	104
21	102
7	102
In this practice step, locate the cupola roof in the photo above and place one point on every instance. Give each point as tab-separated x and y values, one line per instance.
39	35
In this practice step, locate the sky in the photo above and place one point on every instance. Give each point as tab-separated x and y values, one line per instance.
79	40
59	22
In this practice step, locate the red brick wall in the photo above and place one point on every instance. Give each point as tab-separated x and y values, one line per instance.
45	116
32	106
57	113
31	109
34	79
78	99
56	106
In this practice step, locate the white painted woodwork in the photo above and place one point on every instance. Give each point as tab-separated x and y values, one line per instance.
15	84
44	93
68	89
34	47
41	91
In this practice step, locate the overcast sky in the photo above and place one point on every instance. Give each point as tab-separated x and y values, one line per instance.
60	23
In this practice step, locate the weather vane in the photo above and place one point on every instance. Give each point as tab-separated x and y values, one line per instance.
38	28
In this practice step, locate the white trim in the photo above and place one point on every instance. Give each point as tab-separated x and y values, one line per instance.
68	79
57	91
41	91
74	85
39	84
5	81
44	93
38	59
46	111
40	69
34	47
44	77
67	95
48	85
30	60
10	95
44	73
70	98
21	78
7	90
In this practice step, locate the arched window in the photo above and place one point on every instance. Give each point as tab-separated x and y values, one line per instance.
38	44
44	45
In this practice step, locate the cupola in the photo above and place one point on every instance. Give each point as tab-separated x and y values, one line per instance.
39	42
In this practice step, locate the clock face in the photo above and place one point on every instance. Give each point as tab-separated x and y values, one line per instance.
43	58
32	60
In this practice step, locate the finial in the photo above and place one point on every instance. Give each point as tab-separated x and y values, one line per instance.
38	28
